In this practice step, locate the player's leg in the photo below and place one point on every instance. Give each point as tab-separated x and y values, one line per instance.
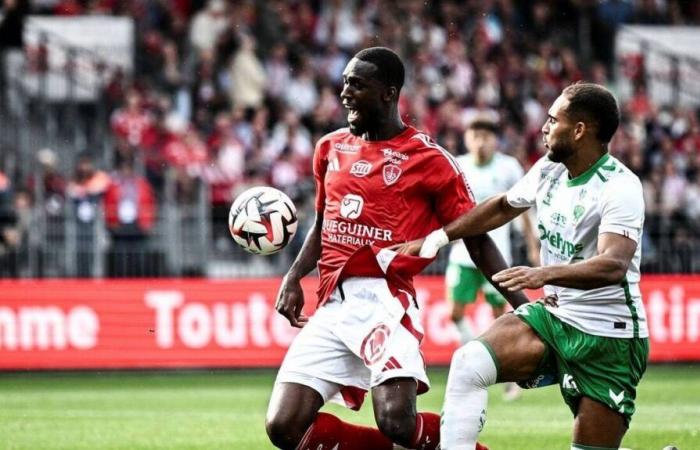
508	351
597	425
462	285
599	383
318	367
293	408
511	391
394	403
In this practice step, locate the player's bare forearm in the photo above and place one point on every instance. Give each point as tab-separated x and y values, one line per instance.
608	267
310	252
599	271
489	260
484	217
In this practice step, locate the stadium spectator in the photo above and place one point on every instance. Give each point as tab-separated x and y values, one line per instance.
130	213
247	76
207	25
9	234
48	183
86	190
134	124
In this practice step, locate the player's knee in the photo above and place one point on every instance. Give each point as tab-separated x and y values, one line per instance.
395	423
396	420
472	366
284	432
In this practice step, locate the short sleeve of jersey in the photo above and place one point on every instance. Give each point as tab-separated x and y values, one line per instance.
524	192
320	164
622	208
453	197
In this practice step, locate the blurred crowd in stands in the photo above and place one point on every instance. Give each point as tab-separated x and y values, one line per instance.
236	93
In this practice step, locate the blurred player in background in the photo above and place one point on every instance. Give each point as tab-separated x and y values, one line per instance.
489	172
378	183
594	340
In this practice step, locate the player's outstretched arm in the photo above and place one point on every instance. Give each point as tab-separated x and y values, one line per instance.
484	217
489	260
608	267
290	298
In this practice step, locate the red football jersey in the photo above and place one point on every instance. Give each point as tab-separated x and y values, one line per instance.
381	193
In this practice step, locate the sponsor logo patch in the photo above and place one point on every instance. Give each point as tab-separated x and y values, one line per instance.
351	206
361	168
346	148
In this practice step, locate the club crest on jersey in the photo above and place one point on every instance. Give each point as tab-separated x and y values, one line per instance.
360	168
391	174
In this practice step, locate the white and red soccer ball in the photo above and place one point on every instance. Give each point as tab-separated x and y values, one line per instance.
262	220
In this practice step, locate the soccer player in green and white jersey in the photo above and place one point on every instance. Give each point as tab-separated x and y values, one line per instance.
489	172
593	341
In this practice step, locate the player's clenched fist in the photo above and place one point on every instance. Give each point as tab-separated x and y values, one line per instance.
290	301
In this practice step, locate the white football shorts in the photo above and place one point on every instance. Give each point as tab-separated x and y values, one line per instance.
361	337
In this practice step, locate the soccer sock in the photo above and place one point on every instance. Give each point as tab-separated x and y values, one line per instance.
472	370
329	432
465	331
427	434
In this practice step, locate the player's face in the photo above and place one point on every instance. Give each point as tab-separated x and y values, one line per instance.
361	96
481	142
558	132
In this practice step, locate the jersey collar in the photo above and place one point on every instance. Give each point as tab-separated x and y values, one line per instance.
588	174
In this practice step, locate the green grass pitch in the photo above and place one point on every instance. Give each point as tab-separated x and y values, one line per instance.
225	410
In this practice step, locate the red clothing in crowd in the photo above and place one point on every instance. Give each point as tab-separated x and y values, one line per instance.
135	127
130	199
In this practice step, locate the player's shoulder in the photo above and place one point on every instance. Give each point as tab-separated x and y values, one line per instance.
430	151
337	135
618	178
547	168
340	139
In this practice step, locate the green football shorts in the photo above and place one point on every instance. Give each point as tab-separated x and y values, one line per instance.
463	283
604	369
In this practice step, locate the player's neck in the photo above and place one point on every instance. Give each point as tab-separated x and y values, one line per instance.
391	127
580	162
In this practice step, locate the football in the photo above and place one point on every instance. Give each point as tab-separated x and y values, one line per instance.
262	220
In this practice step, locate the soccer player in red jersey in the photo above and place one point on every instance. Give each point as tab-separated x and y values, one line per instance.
378	183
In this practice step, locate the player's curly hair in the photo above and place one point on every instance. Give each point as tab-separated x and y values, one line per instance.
594	104
390	69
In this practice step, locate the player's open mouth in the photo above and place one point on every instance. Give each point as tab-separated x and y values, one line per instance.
353	114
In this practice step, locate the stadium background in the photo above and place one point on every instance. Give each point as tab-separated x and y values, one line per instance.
175	106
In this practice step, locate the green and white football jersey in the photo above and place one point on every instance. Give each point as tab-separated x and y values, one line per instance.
571	213
494	177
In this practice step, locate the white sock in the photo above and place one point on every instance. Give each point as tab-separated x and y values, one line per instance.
464	413
465	331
